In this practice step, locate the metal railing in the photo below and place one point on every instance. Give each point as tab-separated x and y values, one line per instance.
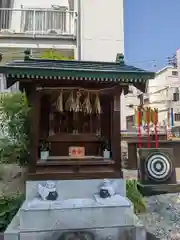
37	21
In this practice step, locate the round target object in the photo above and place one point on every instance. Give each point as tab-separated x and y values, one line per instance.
158	167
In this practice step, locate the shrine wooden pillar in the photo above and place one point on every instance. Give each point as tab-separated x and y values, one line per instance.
115	130
34	102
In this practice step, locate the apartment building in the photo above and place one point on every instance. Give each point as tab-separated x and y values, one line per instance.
131	101
87	30
162	93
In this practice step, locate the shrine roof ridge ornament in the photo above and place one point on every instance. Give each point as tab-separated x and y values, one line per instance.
33	68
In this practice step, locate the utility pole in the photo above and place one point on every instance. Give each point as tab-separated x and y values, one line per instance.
172	61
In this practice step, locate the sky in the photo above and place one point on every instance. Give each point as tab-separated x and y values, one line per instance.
152	32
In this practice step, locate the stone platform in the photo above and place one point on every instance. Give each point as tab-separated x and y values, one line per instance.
68	189
78	208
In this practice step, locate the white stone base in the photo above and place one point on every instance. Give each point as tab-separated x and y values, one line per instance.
76	209
74	188
75	214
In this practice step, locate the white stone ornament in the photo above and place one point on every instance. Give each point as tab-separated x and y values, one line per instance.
107	189
48	191
50	185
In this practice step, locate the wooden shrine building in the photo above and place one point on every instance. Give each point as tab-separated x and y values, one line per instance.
75	114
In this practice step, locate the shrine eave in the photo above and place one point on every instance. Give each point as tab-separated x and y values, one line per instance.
74	70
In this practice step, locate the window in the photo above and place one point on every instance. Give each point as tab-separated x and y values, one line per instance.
130	121
43	20
146	101
174	73
5	14
141	98
175	96
71	5
131	90
2	83
176	131
177	117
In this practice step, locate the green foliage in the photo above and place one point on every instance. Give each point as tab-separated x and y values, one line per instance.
15	126
8	209
14	120
135	196
53	54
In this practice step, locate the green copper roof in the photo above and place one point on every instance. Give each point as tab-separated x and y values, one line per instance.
31	68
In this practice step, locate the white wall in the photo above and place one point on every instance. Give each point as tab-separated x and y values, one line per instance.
123	113
163	78
131	98
160	91
102	31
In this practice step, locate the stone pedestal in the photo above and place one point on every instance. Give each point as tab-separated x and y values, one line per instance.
68	189
76	209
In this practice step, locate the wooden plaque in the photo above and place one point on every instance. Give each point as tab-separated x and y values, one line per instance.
76	152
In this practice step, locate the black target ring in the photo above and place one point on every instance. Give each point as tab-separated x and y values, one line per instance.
158	167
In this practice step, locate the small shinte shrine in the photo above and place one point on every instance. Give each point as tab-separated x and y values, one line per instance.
75	138
75	114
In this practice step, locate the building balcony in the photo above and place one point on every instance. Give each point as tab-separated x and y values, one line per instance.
47	23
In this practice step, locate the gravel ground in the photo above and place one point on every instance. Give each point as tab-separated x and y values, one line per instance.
163	214
11	179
